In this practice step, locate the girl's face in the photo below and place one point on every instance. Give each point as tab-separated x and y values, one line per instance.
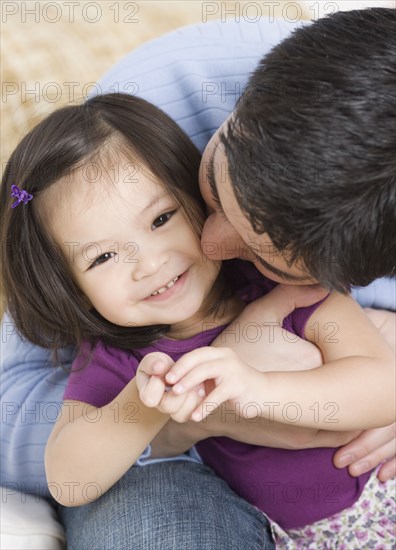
131	251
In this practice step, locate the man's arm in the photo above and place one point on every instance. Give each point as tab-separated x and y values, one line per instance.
176	438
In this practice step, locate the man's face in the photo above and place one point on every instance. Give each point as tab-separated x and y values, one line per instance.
227	232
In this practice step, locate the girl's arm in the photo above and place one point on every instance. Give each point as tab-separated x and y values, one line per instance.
91	448
354	389
364	453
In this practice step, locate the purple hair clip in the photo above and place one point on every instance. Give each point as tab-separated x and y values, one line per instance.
21	195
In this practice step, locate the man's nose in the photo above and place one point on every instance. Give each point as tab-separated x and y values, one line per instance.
219	240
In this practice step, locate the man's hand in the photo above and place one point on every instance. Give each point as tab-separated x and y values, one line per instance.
368	450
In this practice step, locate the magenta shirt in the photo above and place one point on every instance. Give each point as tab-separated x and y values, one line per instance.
294	488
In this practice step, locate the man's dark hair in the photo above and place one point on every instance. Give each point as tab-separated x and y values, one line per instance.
312	147
45	303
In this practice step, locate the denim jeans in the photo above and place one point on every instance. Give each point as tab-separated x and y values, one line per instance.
167	506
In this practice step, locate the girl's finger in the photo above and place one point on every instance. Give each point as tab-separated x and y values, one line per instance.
153	392
210	404
141	380
190	403
198	375
191	360
171	403
156	363
200	390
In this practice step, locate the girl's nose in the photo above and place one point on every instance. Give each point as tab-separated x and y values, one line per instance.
219	240
148	263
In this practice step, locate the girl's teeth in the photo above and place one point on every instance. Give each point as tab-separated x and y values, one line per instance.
163	288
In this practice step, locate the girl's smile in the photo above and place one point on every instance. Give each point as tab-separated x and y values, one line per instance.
165	280
169	290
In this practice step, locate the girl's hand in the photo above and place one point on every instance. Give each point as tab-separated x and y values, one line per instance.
150	379
232	379
155	392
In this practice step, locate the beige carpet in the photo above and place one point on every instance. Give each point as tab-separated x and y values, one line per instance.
51	53
52	50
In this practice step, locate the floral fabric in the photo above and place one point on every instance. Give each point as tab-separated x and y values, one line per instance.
369	524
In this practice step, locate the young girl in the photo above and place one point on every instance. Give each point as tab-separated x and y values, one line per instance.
101	215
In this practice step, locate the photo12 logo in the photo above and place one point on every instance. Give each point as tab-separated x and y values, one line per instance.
253	12
54	92
52	12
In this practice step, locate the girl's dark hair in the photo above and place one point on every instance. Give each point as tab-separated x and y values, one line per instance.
43	300
311	147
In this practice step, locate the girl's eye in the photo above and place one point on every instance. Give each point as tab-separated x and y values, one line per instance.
163	219
102	259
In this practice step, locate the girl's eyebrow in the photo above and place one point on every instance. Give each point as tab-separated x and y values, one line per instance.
155	200
77	249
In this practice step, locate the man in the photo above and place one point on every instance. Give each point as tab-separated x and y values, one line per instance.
172	504
329	215
302	174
